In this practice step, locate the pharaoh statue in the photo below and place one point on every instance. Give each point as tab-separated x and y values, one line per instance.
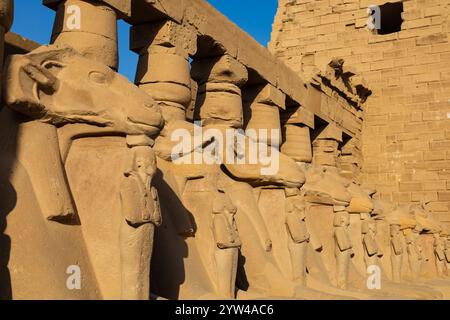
414	250
343	247
420	250
439	254
227	242
399	218
372	252
141	213
360	210
447	252
384	215
327	197
325	193
219	107
430	239
255	189
297	125
396	252
298	233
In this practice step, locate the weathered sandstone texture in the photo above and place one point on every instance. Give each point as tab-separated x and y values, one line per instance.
220	173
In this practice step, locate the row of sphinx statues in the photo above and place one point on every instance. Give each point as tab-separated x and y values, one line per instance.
88	179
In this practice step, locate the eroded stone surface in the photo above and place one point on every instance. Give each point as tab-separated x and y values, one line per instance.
92	176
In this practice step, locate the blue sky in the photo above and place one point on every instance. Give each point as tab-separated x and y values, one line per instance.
33	20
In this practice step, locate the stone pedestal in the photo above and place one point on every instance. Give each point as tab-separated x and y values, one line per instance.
219	100
262	106
297	143
163	69
326	146
90	27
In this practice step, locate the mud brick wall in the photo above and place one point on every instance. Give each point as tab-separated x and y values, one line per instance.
406	134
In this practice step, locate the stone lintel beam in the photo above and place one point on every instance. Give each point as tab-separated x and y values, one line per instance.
122	8
140	11
266	94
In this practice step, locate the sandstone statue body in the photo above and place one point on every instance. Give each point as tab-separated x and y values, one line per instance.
219	174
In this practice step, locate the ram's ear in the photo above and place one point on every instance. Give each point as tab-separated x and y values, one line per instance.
44	79
24	79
